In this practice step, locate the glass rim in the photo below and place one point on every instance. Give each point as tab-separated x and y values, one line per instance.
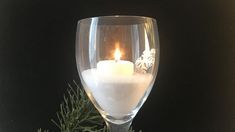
116	16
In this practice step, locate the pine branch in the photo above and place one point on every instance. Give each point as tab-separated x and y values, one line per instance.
40	130
77	113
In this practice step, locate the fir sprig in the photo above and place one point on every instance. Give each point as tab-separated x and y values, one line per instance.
77	113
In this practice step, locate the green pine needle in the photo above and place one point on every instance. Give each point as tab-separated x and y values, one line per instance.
77	113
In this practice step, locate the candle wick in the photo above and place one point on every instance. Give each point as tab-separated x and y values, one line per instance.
116	60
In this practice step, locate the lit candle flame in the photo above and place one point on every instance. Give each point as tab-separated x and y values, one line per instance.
117	54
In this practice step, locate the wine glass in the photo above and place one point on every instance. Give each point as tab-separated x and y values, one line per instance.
117	60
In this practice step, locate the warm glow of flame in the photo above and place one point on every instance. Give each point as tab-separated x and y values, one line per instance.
117	54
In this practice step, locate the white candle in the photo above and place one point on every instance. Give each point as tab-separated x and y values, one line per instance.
111	67
115	67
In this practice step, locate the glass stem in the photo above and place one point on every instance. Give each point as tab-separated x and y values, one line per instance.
118	127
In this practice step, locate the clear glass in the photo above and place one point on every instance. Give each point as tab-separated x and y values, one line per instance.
117	59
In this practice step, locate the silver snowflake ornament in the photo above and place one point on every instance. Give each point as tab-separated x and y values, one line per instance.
145	61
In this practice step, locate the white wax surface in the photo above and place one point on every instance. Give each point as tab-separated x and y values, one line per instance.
116	94
119	67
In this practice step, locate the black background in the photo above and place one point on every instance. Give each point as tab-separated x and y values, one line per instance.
195	87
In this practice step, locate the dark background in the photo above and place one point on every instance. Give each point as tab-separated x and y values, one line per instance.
195	88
